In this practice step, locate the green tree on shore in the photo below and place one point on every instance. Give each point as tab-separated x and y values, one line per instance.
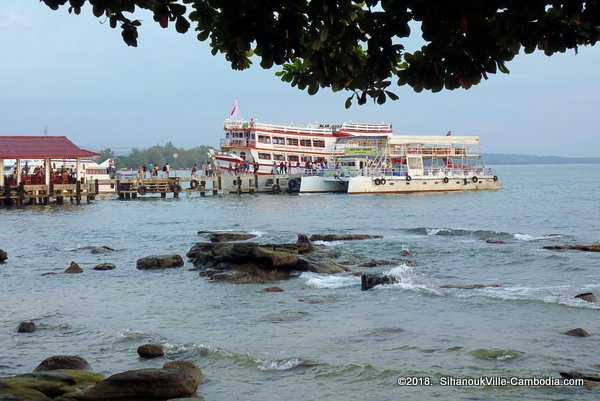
160	155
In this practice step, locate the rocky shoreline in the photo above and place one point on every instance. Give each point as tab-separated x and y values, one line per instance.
70	378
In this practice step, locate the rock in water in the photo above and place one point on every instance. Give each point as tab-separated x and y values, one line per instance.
159	262
225	236
150	351
368	281
139	385
342	237
3	256
101	249
578	332
57	362
26	327
566	247
186	367
105	266
272	289
74	268
586	296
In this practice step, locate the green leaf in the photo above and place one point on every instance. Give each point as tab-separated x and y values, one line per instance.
182	24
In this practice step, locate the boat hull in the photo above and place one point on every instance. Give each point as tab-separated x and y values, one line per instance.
395	185
315	184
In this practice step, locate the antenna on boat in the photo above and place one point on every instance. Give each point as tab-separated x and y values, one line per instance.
45	131
235	111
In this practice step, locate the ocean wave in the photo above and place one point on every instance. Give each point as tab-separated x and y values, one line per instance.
408	279
445	231
497	354
243	359
321	281
284	364
527	237
560	295
130	334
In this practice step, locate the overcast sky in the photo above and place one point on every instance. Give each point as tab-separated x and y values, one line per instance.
76	77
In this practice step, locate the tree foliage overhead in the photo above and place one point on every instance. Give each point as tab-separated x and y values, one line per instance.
360	45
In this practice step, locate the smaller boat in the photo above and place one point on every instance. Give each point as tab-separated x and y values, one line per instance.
405	164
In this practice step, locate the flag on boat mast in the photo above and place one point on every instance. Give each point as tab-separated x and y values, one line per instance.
235	111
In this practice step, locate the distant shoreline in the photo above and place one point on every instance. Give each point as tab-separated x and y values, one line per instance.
504	158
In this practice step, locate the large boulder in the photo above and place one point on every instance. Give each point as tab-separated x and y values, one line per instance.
3	256
342	237
225	236
47	385
368	281
159	262
26	327
140	385
74	268
578	332
567	247
586	296
249	262
150	351
186	367
105	266
58	362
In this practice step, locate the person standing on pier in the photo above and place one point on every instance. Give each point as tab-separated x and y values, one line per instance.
195	171
168	171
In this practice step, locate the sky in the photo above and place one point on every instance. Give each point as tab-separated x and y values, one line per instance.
73	75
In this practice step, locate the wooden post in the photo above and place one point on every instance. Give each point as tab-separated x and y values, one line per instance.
78	191
21	194
256	181
119	189
239	185
203	186
96	187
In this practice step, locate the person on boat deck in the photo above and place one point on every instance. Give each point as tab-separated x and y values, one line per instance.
156	171
150	170
168	170
195	170
274	168
247	166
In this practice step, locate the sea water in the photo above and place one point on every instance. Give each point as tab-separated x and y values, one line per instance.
322	338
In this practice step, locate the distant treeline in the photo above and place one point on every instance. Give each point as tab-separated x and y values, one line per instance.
185	158
502	158
159	155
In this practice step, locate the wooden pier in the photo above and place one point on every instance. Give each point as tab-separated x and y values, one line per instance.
45	194
217	185
132	188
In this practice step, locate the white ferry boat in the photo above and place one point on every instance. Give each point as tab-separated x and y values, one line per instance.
406	164
260	147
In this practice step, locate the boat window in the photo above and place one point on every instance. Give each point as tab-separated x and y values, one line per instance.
253	136
264	139
278	156
278	140
305	142
293	158
306	158
243	155
292	141
264	156
318	143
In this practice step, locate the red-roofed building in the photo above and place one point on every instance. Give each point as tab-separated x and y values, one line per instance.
39	147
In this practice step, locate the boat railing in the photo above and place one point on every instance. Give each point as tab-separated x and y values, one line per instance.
290	129
237	142
428	172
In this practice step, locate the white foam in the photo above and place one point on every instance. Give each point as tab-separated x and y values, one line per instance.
434	231
328	243
407	280
527	237
285	364
130	334
315	280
